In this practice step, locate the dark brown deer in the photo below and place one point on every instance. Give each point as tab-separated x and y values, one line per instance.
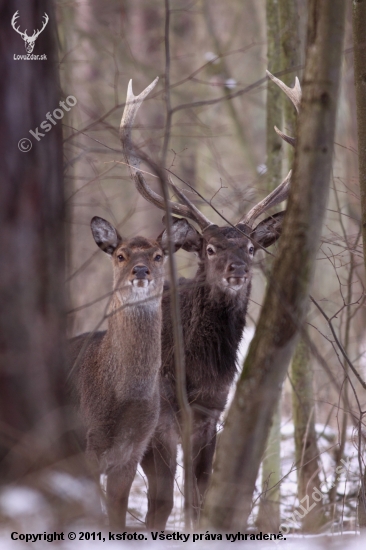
117	378
213	310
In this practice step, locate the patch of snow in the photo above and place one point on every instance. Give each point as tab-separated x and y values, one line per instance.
20	501
71	488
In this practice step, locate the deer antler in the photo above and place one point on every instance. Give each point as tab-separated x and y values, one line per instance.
37	33
13	22
275	197
187	210
295	95
281	192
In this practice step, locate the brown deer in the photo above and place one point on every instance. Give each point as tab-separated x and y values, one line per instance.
213	310
117	378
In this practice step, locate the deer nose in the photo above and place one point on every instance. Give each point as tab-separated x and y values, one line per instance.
140	271
240	267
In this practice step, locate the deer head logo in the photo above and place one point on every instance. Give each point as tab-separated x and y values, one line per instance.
29	40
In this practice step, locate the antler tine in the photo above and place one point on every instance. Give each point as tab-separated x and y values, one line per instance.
285	137
133	103
278	195
295	95
292	93
187	210
281	192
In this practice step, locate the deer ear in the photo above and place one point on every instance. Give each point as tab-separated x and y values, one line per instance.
105	235
269	230
183	234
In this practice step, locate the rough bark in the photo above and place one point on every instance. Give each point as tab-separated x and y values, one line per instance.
274	97
268	518
359	40
243	439
290	58
34	425
306	448
269	514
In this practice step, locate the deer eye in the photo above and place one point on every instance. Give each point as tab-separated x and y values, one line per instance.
210	251
121	258
158	258
251	250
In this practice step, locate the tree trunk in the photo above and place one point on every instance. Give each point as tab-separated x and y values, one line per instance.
359	40
291	58
268	518
34	422
243	439
306	447
274	99
269	514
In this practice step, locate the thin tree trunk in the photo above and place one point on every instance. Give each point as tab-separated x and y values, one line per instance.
291	58
33	419
274	99
268	518
246	430
179	357
269	514
306	448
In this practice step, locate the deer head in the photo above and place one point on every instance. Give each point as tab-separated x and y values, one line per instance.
225	253
29	40
138	263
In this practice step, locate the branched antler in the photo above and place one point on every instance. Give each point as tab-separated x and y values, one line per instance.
275	197
292	93
188	210
281	192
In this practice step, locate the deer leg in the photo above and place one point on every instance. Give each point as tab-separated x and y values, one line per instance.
134	430
159	465
119	481
148	466
203	450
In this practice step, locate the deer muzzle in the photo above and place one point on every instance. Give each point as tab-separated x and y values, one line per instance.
140	274
237	274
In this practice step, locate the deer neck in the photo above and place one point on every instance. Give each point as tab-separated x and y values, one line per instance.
213	329
133	344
